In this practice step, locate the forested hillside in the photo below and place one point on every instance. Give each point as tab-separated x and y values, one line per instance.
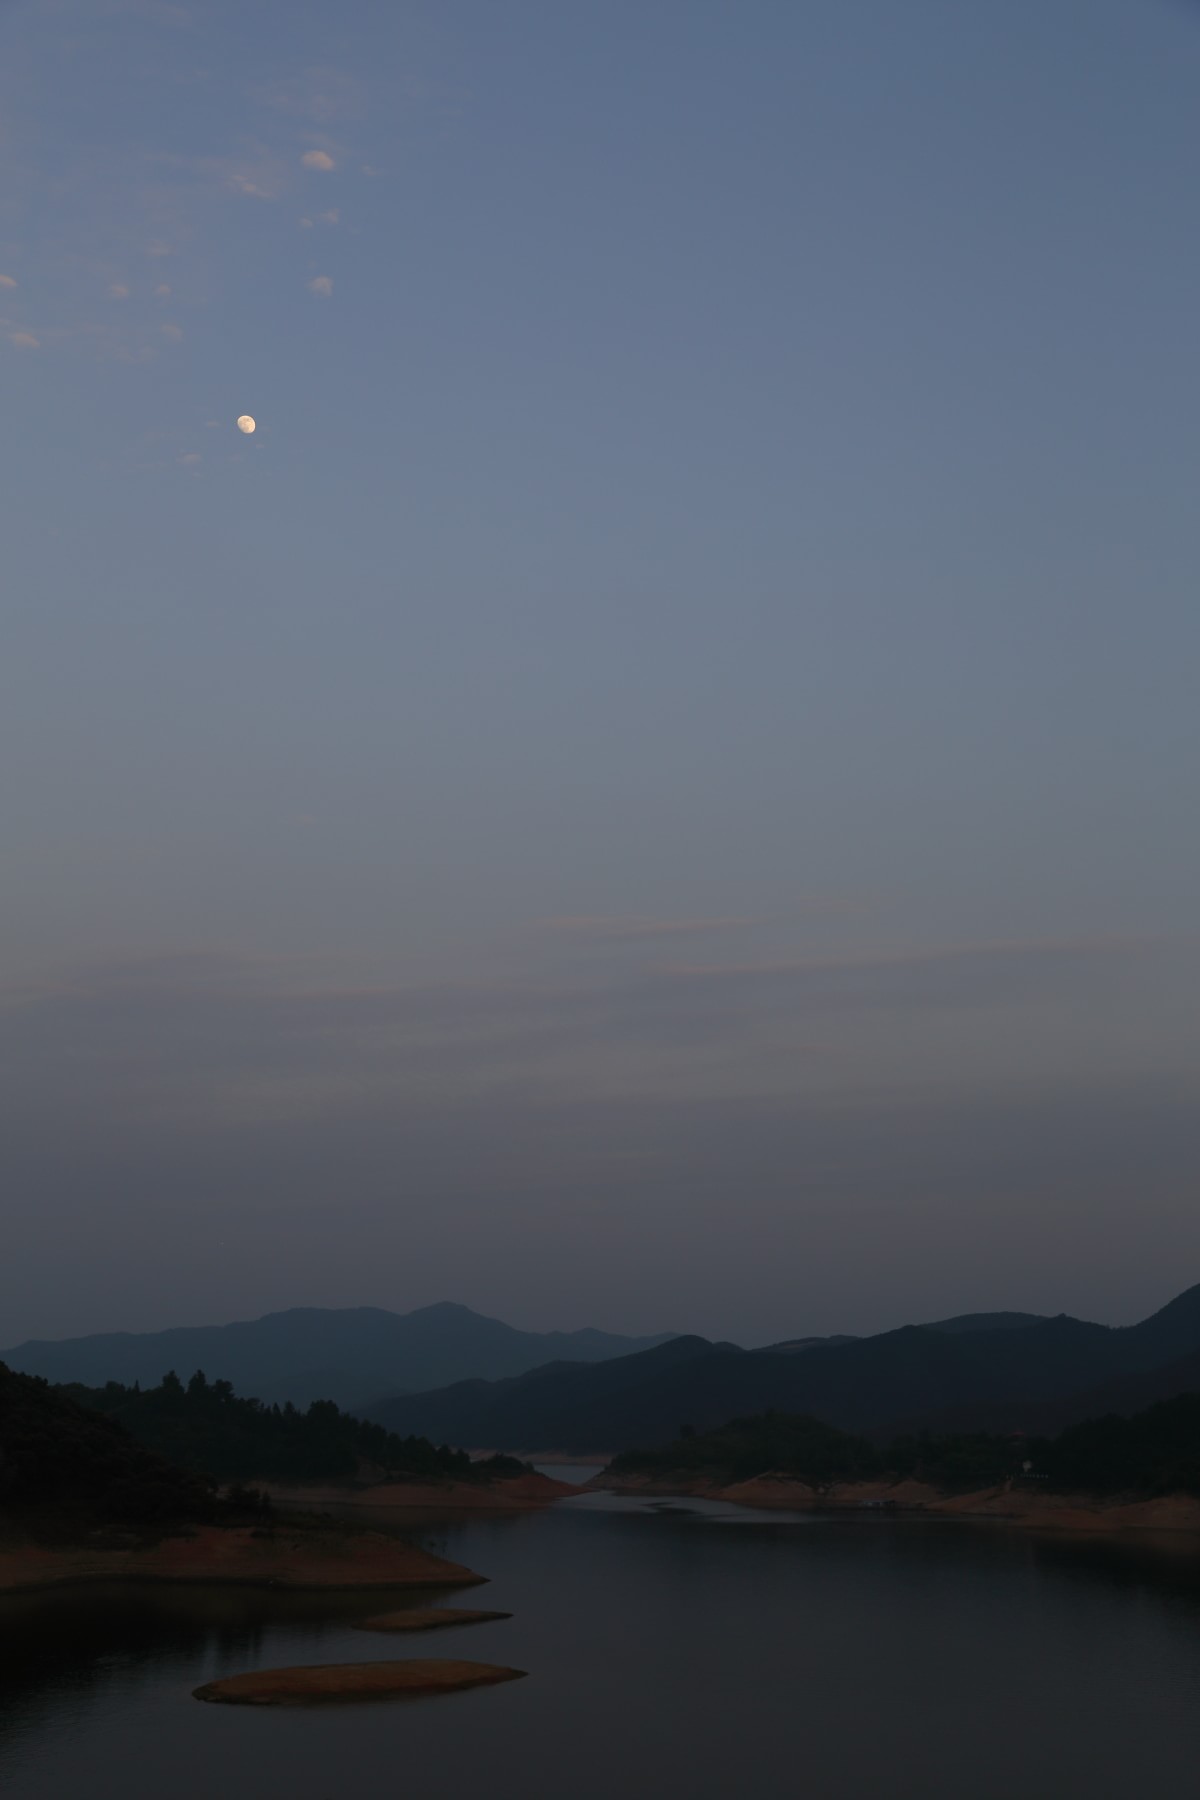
60	1461
1155	1452
206	1427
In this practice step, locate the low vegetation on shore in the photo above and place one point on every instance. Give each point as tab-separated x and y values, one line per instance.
1156	1452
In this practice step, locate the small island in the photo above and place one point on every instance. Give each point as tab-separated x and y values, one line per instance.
311	1684
428	1618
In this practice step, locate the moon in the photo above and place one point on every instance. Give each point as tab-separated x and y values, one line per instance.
246	424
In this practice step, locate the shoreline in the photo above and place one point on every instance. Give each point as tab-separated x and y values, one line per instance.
1076	1513
518	1493
287	1556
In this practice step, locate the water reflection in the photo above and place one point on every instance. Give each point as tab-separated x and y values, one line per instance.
701	1651
69	1648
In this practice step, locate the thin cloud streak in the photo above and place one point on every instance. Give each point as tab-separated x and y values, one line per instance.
619	930
225	1036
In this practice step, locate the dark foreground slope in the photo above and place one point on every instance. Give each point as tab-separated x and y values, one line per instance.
63	1466
872	1385
351	1356
80	1500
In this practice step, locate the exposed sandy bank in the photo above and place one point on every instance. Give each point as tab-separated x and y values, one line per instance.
516	1494
1075	1512
353	1681
1013	1505
784	1490
284	1556
427	1618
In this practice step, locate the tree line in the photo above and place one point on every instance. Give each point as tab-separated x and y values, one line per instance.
1153	1452
205	1427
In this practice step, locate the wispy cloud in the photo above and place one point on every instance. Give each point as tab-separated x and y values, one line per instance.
261	181
621	930
24	340
155	12
257	170
148	1100
109	209
321	284
199	1030
322	95
954	975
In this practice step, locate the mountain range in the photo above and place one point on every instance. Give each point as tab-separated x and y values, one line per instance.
455	1376
975	1372
352	1356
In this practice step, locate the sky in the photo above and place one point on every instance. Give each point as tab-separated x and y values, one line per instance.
657	788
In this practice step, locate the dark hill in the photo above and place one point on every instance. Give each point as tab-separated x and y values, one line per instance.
1171	1332
996	1321
793	1346
1155	1452
311	1353
206	1427
1122	1395
549	1407
870	1385
63	1465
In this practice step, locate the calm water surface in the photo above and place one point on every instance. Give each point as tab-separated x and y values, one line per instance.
701	1653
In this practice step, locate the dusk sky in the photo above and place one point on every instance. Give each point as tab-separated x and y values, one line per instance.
658	788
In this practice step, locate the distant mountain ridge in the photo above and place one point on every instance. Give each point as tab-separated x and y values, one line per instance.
936	1374
555	1407
455	1376
994	1321
351	1356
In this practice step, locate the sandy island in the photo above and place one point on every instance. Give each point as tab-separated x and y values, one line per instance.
1006	1504
427	1618
286	1556
353	1681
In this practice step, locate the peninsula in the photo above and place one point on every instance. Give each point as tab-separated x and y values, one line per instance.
81	1500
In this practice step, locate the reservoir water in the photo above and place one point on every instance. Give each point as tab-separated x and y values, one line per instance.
673	1651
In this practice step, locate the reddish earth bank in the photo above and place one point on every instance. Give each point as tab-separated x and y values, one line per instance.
1017	1506
353	1681
297	1556
427	1618
514	1494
